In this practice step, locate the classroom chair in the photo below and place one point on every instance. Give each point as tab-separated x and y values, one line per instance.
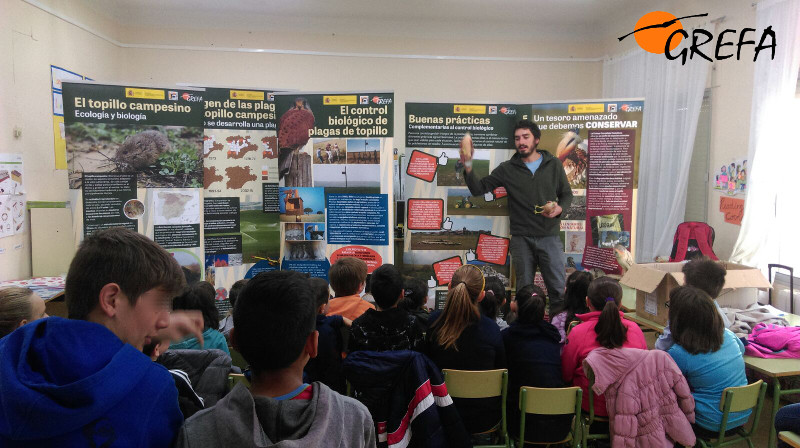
591	418
481	384
234	378
550	401
789	438
238	359
735	399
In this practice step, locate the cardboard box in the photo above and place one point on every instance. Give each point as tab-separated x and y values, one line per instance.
654	281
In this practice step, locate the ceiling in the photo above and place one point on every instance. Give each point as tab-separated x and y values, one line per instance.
576	19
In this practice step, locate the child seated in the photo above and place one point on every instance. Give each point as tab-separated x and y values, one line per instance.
200	296
226	324
327	366
602	326
574	302
461	338
415	294
707	275
348	277
493	300
534	359
18	306
387	327
709	355
274	323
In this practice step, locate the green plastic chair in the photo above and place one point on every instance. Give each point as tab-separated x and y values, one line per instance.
234	378
591	418
735	399
481	384
790	438
237	359
550	401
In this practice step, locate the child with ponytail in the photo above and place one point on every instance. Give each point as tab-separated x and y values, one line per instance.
533	350
460	338
602	326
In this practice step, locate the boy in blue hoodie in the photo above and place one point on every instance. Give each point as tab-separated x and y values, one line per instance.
85	381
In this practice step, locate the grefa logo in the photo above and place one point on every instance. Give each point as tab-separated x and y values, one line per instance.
629	108
191	98
379	100
507	111
660	32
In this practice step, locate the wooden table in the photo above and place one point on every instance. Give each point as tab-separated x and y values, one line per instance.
644	322
775	369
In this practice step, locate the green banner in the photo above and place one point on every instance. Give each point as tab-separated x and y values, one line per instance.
442	125
239	109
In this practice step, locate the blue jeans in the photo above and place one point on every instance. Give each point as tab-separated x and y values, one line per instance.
788	419
546	253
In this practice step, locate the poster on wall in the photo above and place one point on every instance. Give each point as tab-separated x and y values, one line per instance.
731	178
334	161
240	184
447	226
134	157
155	133
598	144
57	76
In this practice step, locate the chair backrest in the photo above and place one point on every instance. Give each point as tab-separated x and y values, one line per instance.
741	398
234	378
475	383
238	359
547	401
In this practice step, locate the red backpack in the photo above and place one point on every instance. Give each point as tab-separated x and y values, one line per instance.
693	240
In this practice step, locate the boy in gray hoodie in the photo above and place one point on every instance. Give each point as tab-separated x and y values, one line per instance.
274	330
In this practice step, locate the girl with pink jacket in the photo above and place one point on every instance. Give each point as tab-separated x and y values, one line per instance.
602	326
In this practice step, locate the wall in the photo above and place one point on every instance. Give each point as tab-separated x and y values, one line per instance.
731	84
30	41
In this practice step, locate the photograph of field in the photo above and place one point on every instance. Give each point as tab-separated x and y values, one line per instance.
461	202
462	236
260	235
452	174
364	150
161	156
420	264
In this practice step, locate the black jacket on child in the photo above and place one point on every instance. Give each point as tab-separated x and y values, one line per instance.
480	347
534	359
207	372
392	329
415	404
327	366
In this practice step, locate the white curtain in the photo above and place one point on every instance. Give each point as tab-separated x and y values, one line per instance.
769	232
673	95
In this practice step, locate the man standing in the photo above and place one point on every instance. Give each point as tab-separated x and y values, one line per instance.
538	191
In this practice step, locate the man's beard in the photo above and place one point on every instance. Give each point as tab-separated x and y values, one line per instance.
527	151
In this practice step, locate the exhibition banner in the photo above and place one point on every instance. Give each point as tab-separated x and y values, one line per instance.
597	143
333	165
240	185
447	226
134	157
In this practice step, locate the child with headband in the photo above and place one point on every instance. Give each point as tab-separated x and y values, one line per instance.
602	326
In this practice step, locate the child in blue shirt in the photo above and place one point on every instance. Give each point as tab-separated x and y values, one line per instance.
705	274
709	355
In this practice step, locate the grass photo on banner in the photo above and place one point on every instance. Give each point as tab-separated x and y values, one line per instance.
364	150
162	156
462	236
452	174
461	202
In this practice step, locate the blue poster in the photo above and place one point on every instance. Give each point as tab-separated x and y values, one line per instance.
358	219
314	268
